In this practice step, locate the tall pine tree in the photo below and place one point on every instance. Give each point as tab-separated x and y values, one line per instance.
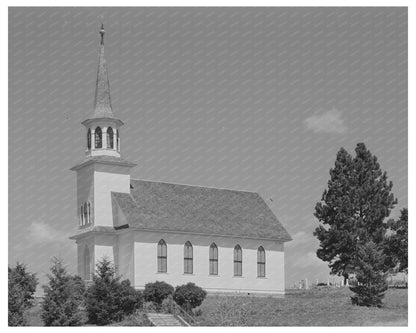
352	209
397	242
63	297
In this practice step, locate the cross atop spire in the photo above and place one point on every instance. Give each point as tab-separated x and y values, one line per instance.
102	100
102	32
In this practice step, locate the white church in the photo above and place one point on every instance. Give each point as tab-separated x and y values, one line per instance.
225	241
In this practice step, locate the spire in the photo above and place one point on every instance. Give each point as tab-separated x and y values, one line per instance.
102	101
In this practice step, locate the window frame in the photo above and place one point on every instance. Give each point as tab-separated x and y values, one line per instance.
238	260
162	257
261	262
110	138
188	258
98	138
213	259
89	139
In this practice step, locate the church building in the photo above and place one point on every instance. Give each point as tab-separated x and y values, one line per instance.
224	241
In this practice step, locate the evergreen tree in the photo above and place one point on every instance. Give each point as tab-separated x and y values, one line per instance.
22	286
397	242
370	275
353	209
108	299
63	297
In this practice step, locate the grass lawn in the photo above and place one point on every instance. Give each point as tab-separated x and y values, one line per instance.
314	307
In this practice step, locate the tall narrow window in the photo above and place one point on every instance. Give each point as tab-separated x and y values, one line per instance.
110	138
238	261
213	259
82	214
89	212
98	138
118	140
87	264
188	258
89	139
261	262
85	213
162	257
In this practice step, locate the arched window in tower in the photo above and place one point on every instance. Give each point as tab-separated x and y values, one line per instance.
89	139
82	214
118	140
87	264
261	262
213	259
89	211
238	261
188	258
98	138
110	138
85	213
162	257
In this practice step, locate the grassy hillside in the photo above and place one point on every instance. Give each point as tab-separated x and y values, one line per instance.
315	307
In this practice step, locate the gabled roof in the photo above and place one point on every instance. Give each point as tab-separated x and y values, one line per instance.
200	210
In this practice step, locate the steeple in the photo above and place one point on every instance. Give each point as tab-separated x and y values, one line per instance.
103	129
102	100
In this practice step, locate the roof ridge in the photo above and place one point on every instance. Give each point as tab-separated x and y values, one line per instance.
198	186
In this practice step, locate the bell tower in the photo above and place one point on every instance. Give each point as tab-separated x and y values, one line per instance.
103	129
102	172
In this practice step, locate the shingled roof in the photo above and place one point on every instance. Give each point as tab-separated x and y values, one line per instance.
103	159
201	210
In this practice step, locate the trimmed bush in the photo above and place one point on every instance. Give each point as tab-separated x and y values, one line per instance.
156	292
189	296
63	297
109	300
22	286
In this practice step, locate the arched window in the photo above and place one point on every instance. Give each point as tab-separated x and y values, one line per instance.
261	262
213	259
98	138
162	257
89	139
89	212
188	258
118	140
238	261
110	138
85	214
82	214
87	264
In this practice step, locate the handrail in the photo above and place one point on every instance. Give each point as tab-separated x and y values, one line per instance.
177	310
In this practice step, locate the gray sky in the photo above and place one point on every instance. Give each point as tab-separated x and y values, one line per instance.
257	99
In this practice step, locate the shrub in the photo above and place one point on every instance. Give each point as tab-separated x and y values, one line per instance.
109	300
63	297
156	292
130	298
189	296
166	306
22	286
371	278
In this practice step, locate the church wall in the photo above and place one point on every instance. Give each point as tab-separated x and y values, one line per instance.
145	263
106	182
105	246
85	186
82	244
126	257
